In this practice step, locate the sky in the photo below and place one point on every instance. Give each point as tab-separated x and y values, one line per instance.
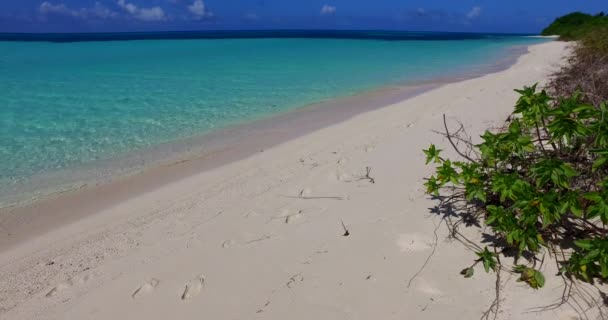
508	16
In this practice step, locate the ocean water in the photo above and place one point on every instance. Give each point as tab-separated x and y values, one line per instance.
65	102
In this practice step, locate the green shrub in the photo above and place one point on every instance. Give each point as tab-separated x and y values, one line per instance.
538	185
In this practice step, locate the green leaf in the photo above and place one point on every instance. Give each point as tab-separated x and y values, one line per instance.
519	268
599	206
447	173
532	105
432	154
604	265
531	276
591	261
509	186
475	191
539	278
488	259
598	163
566	124
432	186
584	244
468	272
570	201
552	170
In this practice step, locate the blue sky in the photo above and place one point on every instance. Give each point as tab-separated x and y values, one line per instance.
528	16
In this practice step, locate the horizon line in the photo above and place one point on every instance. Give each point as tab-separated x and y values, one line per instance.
380	35
264	30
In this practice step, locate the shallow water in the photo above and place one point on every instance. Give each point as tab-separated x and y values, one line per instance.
64	105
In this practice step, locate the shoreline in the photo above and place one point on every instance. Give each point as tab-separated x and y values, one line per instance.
264	237
48	185
26	220
173	161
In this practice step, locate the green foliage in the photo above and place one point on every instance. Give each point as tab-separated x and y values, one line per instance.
552	170
602	159
468	272
591	261
499	147
575	26
510	186
538	184
488	259
432	154
533	106
567	124
599	205
531	276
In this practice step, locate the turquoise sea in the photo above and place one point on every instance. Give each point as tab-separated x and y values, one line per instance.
64	104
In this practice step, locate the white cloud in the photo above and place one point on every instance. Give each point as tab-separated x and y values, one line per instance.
144	14
197	8
151	14
99	11
129	7
474	13
102	12
327	9
49	8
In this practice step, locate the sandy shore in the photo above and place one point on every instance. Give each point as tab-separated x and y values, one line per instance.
263	237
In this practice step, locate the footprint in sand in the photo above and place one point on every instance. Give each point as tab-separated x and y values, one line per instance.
342	176
427	287
62	286
413	242
228	243
146	288
305	193
291	216
84	279
294	280
193	287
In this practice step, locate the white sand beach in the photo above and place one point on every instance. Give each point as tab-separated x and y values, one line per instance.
264	237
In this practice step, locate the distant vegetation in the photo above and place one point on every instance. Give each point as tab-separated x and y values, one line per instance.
587	68
577	25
